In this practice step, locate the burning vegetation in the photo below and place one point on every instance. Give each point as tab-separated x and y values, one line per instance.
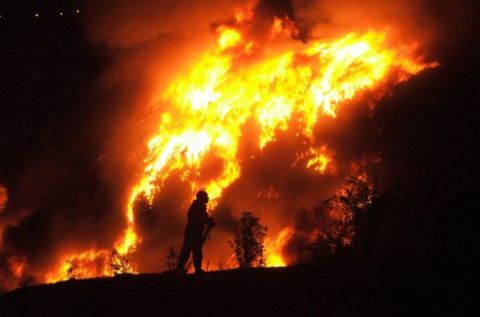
245	120
269	84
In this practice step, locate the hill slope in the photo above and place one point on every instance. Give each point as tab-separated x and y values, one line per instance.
291	291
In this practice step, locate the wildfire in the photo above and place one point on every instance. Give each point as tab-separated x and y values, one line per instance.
209	106
316	158
91	263
243	79
274	248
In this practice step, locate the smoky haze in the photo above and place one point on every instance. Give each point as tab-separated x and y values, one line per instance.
68	188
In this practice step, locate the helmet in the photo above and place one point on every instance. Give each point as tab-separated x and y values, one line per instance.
202	196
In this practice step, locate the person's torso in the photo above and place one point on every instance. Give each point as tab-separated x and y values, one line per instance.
197	215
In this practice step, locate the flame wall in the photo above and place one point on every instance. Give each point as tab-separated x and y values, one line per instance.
150	44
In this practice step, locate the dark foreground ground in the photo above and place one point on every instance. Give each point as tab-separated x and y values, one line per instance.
295	291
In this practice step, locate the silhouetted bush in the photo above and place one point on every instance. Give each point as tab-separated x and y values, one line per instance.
347	221
249	239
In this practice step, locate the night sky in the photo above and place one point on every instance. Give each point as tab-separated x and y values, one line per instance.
58	129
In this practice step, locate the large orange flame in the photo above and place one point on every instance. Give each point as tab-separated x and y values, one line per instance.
209	105
282	87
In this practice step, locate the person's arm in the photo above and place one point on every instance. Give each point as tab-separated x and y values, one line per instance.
207	219
211	222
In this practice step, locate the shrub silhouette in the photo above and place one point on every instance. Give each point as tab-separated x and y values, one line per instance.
249	239
354	231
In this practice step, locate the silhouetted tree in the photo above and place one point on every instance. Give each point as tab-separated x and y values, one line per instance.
248	244
362	200
348	221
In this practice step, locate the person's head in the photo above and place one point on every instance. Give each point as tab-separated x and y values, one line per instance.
202	196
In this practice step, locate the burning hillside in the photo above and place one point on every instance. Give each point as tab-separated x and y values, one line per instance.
254	89
252	120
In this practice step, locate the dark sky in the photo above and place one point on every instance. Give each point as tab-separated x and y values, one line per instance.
49	128
46	68
54	122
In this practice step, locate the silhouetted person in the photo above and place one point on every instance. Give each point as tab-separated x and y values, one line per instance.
193	241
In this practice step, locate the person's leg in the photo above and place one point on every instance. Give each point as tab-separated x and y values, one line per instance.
184	254
197	253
